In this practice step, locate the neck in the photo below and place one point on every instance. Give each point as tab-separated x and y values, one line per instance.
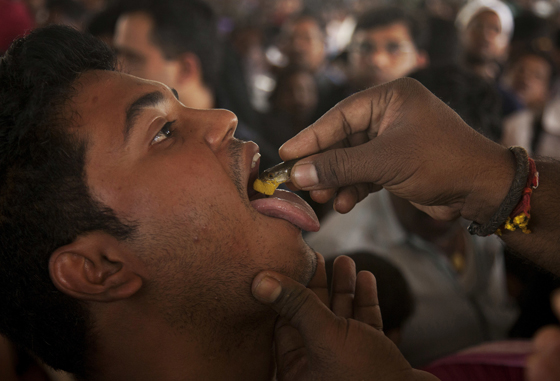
197	95
140	347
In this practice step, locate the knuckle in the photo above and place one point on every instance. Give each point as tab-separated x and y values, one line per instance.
340	170
293	302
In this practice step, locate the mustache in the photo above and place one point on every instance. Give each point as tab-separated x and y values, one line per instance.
235	150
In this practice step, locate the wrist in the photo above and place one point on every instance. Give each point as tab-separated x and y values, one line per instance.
490	186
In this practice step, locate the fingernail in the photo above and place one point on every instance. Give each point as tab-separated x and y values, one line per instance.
305	175
267	290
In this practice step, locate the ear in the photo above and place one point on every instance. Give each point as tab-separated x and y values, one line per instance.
95	267
189	68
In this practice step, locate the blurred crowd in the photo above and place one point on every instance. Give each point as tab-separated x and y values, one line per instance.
279	65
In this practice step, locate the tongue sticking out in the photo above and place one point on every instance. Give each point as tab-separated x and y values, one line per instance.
290	207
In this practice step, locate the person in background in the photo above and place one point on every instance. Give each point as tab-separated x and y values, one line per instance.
293	103
65	12
485	28
15	21
102	24
443	47
530	75
303	43
388	43
457	280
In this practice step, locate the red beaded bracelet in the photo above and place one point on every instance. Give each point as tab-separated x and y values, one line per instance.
521	214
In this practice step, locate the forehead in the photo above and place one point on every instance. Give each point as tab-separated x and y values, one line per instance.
534	62
102	98
486	17
393	32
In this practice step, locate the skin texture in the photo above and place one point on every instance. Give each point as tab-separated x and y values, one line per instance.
142	57
174	301
394	56
401	137
345	342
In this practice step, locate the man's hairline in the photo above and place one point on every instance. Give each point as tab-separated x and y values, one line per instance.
386	26
152	33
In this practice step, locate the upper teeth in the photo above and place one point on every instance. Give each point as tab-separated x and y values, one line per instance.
255	159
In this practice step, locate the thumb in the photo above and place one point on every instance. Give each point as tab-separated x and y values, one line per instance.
336	168
296	303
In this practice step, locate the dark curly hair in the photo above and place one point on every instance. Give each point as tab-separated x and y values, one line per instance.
44	200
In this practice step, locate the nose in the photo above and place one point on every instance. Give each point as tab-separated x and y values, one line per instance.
379	59
217	126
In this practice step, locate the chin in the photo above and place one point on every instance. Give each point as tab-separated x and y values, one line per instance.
299	261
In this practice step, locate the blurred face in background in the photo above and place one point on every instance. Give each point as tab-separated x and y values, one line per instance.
529	78
137	52
383	54
298	95
305	45
483	38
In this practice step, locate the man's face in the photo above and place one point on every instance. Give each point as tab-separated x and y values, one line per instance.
137	52
383	54
483	37
530	80
181	177
306	45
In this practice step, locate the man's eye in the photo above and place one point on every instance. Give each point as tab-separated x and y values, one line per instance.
393	48
165	132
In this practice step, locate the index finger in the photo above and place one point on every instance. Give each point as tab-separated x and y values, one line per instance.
353	115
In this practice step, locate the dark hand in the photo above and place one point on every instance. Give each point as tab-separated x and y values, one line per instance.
347	343
401	137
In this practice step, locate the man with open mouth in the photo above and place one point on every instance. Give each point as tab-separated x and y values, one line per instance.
131	235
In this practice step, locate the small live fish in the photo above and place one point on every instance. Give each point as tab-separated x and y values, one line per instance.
270	179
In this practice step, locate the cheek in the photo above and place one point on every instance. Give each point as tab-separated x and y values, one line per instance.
401	66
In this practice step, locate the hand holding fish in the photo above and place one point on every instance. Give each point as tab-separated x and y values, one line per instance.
401	137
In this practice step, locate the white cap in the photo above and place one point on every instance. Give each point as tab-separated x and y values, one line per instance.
474	7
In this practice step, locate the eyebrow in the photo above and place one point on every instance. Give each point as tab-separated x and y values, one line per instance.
133	111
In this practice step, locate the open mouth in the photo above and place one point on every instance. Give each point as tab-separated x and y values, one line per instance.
282	204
